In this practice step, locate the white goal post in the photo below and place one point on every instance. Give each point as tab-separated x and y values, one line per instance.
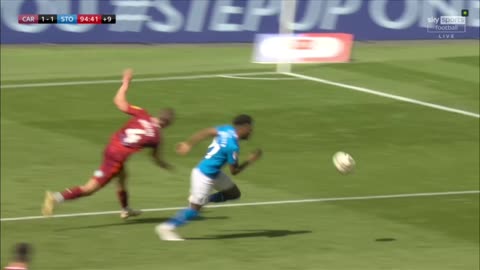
285	22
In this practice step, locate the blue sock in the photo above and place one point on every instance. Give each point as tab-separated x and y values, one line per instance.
183	216
217	197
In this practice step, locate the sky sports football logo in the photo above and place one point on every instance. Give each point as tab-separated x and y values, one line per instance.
448	24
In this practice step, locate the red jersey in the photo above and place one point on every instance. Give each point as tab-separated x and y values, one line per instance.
138	133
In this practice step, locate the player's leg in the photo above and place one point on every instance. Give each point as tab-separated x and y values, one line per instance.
107	171
232	193
200	188
227	189
54	198
122	194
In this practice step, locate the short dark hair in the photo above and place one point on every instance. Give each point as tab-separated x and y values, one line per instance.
242	119
22	252
166	112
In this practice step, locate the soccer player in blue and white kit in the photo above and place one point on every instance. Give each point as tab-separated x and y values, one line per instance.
208	175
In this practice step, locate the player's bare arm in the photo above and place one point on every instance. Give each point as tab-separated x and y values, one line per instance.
184	147
158	158
120	98
254	156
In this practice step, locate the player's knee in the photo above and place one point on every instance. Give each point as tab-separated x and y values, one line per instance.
87	191
122	177
198	199
121	186
235	195
232	193
91	187
239	194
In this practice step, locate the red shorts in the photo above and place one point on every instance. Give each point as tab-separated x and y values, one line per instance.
114	157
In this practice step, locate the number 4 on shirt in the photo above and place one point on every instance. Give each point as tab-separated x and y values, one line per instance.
134	135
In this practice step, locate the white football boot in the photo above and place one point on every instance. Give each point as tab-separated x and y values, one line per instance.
166	232
128	212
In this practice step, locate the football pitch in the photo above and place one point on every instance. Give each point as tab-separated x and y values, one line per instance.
408	112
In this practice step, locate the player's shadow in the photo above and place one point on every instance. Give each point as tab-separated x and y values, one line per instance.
251	233
387	239
135	221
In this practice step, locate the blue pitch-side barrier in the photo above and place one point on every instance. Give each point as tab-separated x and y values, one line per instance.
203	21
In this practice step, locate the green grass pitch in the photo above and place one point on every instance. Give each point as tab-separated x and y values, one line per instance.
52	138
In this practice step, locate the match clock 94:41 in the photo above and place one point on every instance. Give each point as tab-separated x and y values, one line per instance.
89	19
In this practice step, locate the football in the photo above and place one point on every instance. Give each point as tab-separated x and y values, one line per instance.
343	162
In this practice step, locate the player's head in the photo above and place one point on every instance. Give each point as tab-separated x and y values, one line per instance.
166	117
22	252
243	125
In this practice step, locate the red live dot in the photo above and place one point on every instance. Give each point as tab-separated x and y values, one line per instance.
27	18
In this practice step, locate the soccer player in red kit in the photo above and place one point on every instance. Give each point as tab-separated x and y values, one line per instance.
141	131
22	257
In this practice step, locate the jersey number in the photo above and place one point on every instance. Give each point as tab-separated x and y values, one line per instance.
133	135
213	148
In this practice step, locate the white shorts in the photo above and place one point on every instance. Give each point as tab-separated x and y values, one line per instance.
201	186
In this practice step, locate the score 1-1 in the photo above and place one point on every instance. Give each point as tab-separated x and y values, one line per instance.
47	18
67	19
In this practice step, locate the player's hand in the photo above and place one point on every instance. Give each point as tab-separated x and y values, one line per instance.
183	148
127	75
255	155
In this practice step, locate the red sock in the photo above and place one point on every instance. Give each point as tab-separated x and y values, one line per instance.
72	193
123	197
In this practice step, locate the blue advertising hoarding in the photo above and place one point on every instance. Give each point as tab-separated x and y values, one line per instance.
205	21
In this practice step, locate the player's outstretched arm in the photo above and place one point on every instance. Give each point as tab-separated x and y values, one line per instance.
120	98
254	156
184	147
158	159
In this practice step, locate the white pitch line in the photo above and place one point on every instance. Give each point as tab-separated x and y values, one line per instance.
357	198
237	77
382	94
188	77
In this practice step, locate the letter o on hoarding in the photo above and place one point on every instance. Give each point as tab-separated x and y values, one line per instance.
378	13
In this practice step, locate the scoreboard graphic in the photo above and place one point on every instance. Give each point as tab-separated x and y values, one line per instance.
67	19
